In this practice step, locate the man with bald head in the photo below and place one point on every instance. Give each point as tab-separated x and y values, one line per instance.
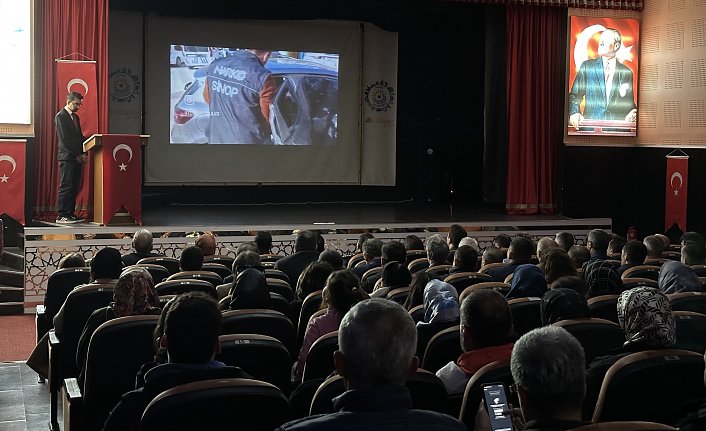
142	244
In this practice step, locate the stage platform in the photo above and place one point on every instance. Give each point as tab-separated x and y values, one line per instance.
176	226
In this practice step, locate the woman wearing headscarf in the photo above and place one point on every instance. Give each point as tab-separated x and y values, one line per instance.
562	304
527	280
441	311
601	279
676	277
645	316
250	290
134	295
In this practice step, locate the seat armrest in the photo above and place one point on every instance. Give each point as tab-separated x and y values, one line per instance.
72	403
54	341
41	309
41	324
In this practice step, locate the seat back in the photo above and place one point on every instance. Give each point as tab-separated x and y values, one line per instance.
301	397
355	260
226	261
439	271
417	313
526	314
116	352
218	268
444	347
158	272
279	303
260	321
691	331
700	270
319	361
632	282
208	276
210	404
462	280
414	255
650	386
269	257
398	295
418	265
310	305
484	269
625	426
495	372
264	358
671	255
179	286
369	273
597	336
59	284
604	307
655	261
170	263
279	275
281	287
500	287
688	301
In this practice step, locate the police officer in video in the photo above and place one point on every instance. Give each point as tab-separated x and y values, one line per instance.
239	91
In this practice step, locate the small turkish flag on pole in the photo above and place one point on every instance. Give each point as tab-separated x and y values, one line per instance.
676	192
12	179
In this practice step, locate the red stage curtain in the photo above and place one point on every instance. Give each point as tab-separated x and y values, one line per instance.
64	27
584	4
535	107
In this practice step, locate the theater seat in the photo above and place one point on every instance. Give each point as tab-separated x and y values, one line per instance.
700	270
279	303
417	313
604	307
177	287
418	265
220	269
281	287
526	314
495	372
170	263
414	255
260	321
226	261
443	348
210	404
264	358
370	273
632	282
625	426
209	276
688	301
439	271
642	271
597	336
654	261
158	272
461	280
319	361
691	331
279	275
59	284
671	255
355	260
500	287
301	397
310	305
269	257
650	386
398	295
484	269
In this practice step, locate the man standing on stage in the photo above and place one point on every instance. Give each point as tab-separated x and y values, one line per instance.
71	158
239	92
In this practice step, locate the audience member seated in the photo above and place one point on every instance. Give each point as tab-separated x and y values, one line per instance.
492	254
376	398
191	330
372	253
502	241
441	311
544	245
654	245
207	244
392	251
394	276
579	255
646	318
142	244
692	238
615	247
486	331
465	260
528	281
693	254
56	295
675	277
134	295
416	290
263	240
341	292
695	420
556	263
191	259
312	279
547	366
333	258
472	242
601	279
320	242
565	240
519	253
437	250
563	304
413	242
361	240
250	290
574	283
597	244
634	254
72	260
246	246
453	239
304	254
243	260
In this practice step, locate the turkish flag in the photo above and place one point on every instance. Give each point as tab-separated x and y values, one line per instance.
122	176
12	179
676	192
80	76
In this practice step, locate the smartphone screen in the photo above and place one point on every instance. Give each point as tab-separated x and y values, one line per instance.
496	404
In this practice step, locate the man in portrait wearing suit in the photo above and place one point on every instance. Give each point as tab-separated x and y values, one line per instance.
71	157
606	84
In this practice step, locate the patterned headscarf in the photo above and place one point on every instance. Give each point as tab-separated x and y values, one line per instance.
440	302
601	278
134	294
676	277
527	280
645	315
561	304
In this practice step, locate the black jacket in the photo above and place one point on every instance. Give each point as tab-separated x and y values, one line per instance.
69	135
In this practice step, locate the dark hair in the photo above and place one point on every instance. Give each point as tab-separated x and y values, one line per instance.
333	258
616	244
207	244
306	241
599	240
342	291
320	242
413	242
635	252
487	315
693	237
394	251
502	241
249	245
191	259
73	96
160	353
579	255
467	258
456	234
313	278
372	247
493	254
263	239
106	264
694	254
521	249
246	259
570	282
416	289
192	326
655	245
565	240
361	239
396	274
72	260
557	263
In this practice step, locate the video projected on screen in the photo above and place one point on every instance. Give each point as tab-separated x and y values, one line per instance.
250	96
603	76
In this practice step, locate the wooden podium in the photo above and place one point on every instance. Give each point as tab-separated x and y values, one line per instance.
117	178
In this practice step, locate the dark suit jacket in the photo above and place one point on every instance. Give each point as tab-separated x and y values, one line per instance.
134	257
362	269
294	264
69	136
590	82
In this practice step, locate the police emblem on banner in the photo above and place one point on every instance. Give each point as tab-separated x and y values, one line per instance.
379	95
123	85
